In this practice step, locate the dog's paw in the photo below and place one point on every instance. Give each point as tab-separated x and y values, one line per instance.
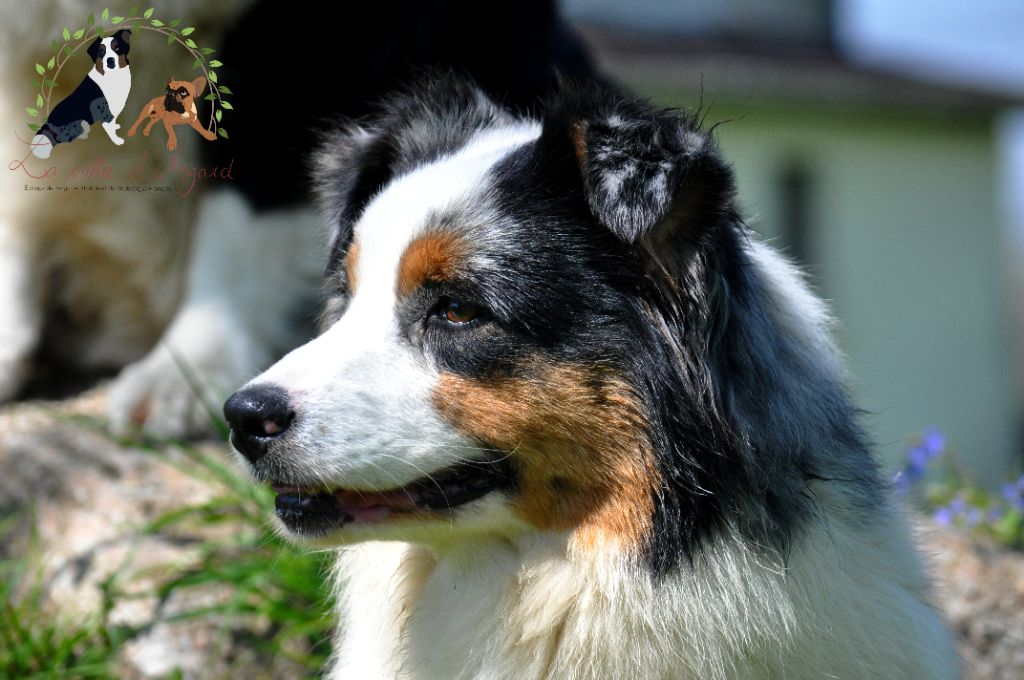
172	145
178	389
117	140
41	147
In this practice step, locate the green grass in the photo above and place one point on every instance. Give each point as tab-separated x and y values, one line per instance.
276	603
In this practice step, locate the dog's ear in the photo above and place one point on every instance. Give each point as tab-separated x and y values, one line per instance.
351	166
125	36
170	79
198	85
94	48
644	171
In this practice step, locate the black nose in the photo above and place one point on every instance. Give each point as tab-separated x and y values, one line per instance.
110	62
257	415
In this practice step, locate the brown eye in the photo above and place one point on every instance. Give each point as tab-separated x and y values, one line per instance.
458	312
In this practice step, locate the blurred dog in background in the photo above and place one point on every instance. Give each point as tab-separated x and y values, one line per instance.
220	283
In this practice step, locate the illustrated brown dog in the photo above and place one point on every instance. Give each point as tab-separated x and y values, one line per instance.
176	107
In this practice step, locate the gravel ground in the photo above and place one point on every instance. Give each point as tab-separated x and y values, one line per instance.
86	489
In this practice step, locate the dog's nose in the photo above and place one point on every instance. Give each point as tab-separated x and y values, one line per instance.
257	415
110	62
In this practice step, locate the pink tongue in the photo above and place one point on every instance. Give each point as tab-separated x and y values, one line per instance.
358	502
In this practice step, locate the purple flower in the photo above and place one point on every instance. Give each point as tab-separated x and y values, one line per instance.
933	442
1013	493
958	505
918	457
943	516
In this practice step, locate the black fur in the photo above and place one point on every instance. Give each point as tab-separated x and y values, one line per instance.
354	54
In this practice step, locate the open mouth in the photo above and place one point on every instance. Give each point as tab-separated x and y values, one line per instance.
313	511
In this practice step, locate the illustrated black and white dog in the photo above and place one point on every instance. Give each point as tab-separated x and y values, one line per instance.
567	418
98	99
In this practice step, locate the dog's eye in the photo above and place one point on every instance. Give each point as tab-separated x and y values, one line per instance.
458	312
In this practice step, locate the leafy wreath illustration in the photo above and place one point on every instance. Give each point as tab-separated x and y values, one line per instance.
75	40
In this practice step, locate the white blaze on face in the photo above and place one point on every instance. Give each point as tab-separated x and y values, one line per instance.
361	392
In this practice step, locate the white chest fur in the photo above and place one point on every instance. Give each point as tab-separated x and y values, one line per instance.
529	612
115	84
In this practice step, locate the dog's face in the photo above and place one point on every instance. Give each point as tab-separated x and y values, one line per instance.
111	54
180	95
476	372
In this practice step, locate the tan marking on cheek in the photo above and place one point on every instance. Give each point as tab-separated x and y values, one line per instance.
352	265
122	61
431	257
99	66
579	142
579	444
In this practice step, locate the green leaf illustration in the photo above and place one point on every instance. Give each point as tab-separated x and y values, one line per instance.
105	14
157	23
49	64
39	100
54	46
190	42
213	76
50	83
226	105
32	112
39	69
148	13
215	63
218	115
222	132
209	97
197	63
224	89
90	20
33	127
170	39
116	20
207	50
175	23
188	31
133	11
79	33
66	34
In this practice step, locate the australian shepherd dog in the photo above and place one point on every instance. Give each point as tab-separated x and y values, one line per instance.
567	418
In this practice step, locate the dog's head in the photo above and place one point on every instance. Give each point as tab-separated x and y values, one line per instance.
111	54
181	95
502	292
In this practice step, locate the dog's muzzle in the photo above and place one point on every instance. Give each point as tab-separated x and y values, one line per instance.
110	62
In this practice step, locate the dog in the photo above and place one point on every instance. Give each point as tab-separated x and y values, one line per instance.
98	99
567	418
176	107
